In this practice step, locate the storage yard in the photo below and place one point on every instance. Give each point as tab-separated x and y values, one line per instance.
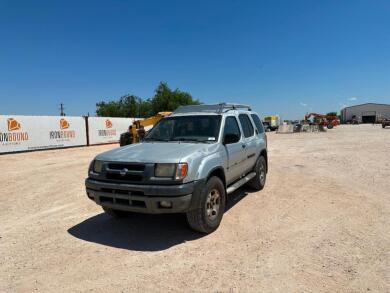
320	225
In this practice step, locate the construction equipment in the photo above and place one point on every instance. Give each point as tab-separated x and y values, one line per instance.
327	121
138	125
274	122
354	120
385	122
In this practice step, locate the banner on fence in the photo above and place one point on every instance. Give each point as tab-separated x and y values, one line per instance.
27	133
106	129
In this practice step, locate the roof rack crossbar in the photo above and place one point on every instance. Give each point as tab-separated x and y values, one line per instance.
232	106
216	108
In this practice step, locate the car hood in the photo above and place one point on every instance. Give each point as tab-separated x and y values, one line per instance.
157	152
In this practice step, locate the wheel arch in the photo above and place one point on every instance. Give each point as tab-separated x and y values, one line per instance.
265	155
218	172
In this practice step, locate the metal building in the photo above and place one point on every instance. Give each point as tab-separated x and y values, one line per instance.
366	113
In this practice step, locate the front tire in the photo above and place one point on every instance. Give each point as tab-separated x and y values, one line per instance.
258	182
115	213
208	215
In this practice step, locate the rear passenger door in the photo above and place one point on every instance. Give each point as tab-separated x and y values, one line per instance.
249	142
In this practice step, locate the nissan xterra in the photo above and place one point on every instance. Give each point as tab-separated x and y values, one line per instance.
187	163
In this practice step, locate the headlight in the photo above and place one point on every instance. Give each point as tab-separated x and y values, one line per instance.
97	166
175	171
164	170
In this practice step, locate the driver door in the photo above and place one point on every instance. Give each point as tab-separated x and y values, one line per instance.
234	150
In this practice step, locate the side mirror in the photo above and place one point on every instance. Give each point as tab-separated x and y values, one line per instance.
231	138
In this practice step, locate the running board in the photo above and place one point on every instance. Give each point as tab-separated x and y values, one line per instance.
240	183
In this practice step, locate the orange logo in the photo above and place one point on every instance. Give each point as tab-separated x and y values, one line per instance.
13	124
64	124
108	123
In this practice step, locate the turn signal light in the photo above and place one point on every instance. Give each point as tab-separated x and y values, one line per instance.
181	171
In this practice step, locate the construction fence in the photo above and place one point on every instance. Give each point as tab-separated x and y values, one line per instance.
28	133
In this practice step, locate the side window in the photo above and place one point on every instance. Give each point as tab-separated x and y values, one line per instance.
246	124
231	127
258	123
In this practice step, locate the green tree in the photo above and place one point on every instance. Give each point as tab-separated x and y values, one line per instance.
127	106
145	109
108	109
332	114
167	100
164	99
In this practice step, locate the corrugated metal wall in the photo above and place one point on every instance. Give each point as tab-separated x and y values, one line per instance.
380	111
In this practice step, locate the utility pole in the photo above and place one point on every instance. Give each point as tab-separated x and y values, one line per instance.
139	107
62	108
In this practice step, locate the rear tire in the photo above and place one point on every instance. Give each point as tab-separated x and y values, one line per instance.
115	213
208	215
258	182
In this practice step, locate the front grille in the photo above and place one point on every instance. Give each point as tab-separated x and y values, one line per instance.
121	191
104	199
130	167
131	172
122	201
127	177
122	197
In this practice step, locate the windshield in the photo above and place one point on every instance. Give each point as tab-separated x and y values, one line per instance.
199	128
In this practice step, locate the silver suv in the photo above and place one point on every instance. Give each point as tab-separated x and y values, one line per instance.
187	163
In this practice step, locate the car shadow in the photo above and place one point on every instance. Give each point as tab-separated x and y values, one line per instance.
143	232
236	197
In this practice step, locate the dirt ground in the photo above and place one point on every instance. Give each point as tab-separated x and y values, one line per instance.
322	224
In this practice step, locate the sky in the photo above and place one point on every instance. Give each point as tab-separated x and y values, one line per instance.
281	57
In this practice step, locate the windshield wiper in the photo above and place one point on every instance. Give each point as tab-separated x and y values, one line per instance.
183	139
155	139
188	139
206	140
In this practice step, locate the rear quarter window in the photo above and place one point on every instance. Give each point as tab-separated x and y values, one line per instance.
258	123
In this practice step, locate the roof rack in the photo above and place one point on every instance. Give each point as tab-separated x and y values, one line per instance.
232	106
217	108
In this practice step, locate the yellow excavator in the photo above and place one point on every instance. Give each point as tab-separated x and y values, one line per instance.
138	127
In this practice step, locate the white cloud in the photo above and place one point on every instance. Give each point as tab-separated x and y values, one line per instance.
303	104
352	99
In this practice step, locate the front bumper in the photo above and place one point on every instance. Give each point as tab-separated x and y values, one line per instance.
145	198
